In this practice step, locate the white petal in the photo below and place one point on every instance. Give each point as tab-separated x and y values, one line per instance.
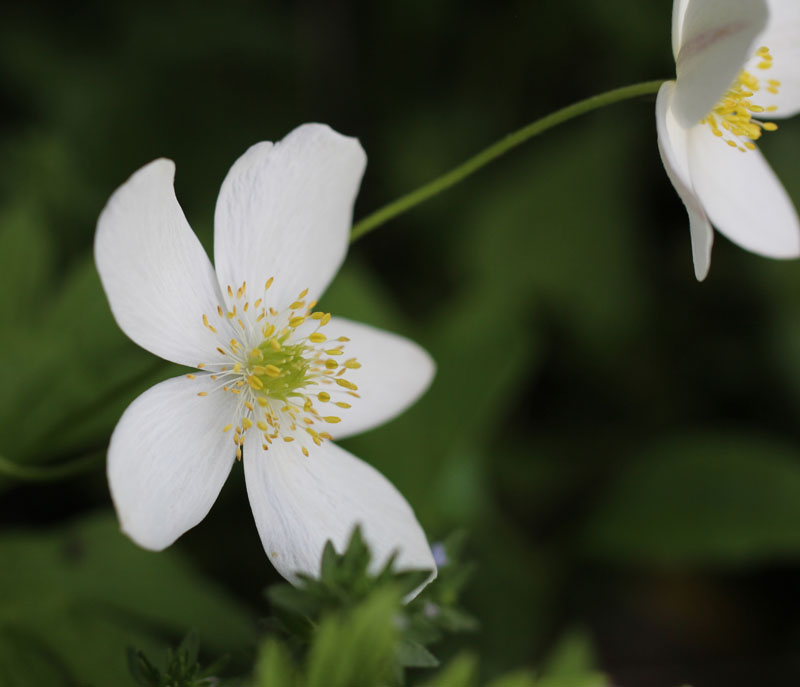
158	279
394	373
742	196
678	13
782	37
169	458
285	211
301	502
673	147
717	39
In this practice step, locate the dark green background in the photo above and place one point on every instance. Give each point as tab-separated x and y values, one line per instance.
620	442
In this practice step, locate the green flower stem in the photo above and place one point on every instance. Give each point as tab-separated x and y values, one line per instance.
495	150
47	473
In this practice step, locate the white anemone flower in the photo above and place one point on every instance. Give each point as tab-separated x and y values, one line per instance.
738	67
274	376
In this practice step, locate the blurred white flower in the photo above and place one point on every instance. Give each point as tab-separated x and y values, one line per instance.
273	375
738	67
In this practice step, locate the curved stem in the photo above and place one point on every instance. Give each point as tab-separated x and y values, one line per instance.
495	150
46	473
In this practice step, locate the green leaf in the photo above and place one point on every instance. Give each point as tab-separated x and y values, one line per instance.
462	671
415	655
358	648
27	662
520	678
703	499
572	663
84	593
275	667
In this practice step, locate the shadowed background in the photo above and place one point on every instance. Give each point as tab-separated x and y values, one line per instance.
620	442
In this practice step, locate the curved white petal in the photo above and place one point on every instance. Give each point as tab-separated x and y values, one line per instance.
742	196
168	459
301	502
394	373
716	41
673	147
158	279
285	211
678	12
782	37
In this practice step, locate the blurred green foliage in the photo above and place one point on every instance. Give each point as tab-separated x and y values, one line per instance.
620	442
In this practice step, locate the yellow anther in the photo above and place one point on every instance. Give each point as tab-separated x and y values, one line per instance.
343	339
275	344
769	126
268	283
325	319
334	351
256	354
237	367
220	311
230	291
346	384
351	364
247	423
263	426
305	451
317	337
289	439
203	393
331	364
342	404
248	405
302	294
296	322
332	419
262	401
257	303
226	428
324	396
272	371
190	376
246	306
732	119
234	344
317	315
255	382
239	454
207	324
200	366
297	305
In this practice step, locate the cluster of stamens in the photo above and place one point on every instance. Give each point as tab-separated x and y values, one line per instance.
281	367
732	118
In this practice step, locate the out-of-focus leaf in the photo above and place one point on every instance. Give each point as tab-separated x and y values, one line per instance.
519	678
275	667
26	662
357	649
84	593
705	499
572	663
415	655
462	671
